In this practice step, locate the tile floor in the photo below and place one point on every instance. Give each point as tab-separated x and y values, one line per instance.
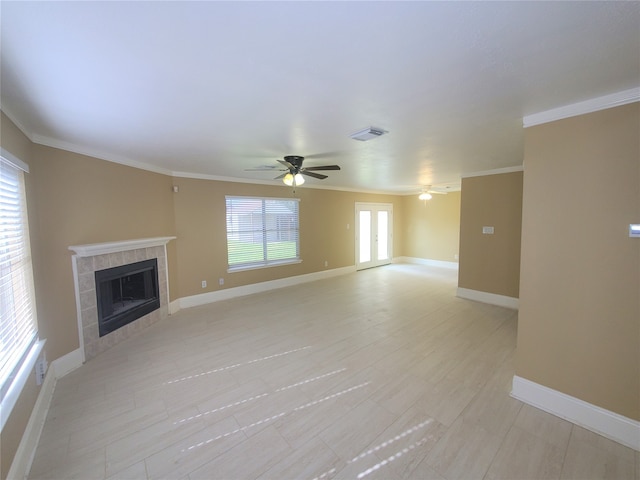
380	374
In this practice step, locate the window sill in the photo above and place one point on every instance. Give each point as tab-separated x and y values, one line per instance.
244	268
20	380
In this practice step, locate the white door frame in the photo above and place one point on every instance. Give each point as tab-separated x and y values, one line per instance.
374	208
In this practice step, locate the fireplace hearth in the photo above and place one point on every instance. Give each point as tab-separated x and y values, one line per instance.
126	293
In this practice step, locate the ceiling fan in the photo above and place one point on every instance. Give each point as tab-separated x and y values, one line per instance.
425	193
294	171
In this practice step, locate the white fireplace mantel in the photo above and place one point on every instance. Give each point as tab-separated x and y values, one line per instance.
92	249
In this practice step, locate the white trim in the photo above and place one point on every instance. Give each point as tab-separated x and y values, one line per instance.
210	297
76	289
19	381
205	176
13	160
27	448
174	307
374	208
259	266
94	153
27	133
581	108
218	178
491	298
427	262
495	171
67	363
603	422
166	273
23	458
92	249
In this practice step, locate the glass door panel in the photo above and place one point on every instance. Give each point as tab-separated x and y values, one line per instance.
374	243
382	237
364	242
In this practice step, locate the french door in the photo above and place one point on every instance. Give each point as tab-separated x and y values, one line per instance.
374	238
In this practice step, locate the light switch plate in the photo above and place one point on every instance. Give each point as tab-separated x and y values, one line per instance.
634	230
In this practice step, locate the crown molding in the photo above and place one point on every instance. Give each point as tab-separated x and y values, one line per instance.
204	176
495	171
581	108
90	152
27	133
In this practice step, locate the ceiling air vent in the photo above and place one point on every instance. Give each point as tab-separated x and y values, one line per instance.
368	134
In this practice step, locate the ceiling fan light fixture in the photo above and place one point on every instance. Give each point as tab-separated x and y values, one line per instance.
368	134
425	196
289	179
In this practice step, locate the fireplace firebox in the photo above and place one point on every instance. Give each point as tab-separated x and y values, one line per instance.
126	293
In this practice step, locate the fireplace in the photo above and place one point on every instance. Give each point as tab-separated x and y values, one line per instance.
126	293
126	260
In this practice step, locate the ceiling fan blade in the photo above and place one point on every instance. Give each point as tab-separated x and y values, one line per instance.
280	176
263	169
286	164
322	167
437	192
311	174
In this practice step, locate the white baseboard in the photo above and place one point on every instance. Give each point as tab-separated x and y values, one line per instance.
27	448
603	422
174	307
491	298
427	262
210	297
67	363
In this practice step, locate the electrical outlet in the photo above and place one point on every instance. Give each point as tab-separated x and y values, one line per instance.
456	257
41	370
204	284
326	263
221	281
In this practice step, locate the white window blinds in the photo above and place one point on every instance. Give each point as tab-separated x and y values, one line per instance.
261	232
18	327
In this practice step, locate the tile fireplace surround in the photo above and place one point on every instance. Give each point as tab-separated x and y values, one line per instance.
88	259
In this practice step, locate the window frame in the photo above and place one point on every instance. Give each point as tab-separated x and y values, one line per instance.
22	359
264	262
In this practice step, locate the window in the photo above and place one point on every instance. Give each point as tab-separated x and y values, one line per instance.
261	232
18	326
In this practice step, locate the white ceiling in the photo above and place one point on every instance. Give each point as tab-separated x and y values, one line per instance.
214	88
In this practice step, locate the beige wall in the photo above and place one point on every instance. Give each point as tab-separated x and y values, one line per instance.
579	322
491	263
432	227
324	215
